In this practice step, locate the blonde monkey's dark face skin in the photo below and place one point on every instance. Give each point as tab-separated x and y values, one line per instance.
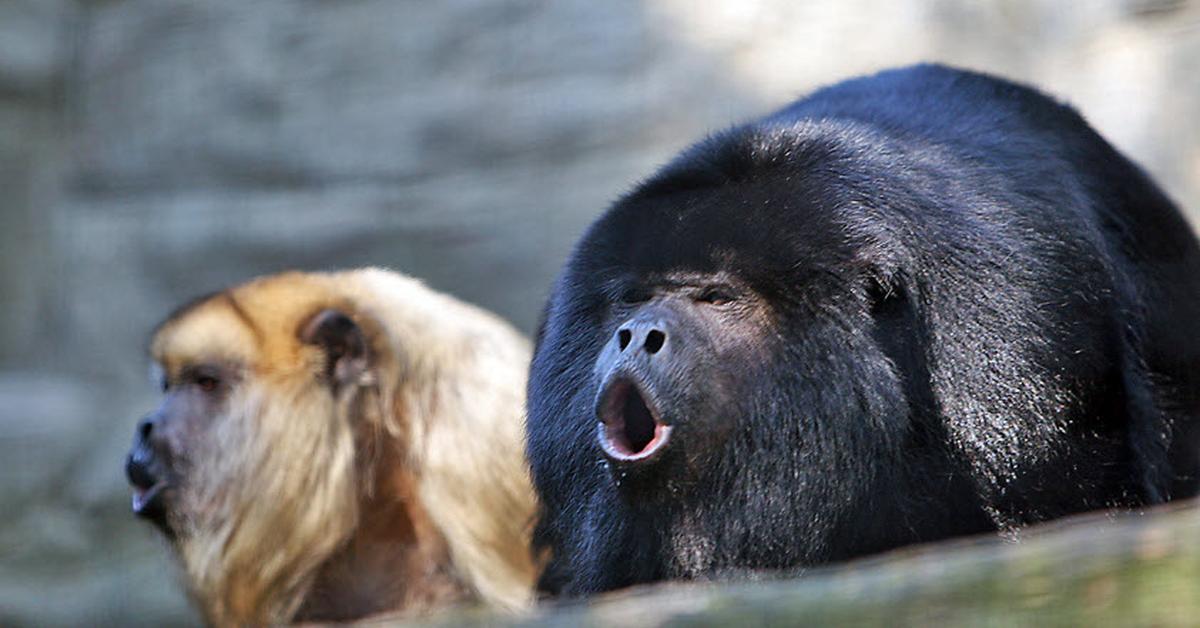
193	396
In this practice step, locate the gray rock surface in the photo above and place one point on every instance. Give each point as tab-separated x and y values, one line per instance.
151	150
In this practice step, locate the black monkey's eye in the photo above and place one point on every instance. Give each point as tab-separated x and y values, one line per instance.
164	384
715	296
635	295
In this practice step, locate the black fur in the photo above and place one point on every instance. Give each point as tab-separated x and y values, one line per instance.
965	312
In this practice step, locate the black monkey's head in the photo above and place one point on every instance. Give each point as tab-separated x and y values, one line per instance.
699	334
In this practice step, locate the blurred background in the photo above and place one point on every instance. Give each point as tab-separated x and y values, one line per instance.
152	150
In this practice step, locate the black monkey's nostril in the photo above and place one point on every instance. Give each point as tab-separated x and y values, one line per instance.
145	426
654	341
623	337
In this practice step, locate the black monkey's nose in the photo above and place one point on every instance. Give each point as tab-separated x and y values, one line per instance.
650	335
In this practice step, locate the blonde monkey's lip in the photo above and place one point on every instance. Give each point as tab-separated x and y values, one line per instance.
145	500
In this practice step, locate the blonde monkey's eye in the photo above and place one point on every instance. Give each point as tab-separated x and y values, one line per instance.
207	383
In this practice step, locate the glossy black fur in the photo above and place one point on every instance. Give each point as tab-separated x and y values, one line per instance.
977	315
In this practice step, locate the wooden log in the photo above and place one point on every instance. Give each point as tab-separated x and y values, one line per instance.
1102	569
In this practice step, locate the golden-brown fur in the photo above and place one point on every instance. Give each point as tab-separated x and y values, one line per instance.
405	490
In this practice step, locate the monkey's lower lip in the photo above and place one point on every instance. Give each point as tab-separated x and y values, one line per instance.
630	430
148	485
147	502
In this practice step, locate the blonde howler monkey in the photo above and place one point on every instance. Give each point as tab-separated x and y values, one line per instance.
331	446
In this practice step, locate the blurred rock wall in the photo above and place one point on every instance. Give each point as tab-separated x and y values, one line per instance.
151	150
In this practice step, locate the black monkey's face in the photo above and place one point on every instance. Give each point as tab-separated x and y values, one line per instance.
689	328
711	352
671	366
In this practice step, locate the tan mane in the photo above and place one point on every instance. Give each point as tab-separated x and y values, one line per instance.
440	412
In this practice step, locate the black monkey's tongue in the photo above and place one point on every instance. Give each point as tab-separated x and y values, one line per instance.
629	431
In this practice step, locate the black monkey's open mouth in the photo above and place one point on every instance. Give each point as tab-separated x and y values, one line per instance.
629	430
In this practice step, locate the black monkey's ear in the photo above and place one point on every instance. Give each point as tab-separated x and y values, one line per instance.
885	293
343	342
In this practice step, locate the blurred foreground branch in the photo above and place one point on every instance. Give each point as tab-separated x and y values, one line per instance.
1096	569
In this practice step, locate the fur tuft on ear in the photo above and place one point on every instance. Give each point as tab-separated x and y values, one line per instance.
343	342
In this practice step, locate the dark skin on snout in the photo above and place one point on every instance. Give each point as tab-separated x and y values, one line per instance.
158	459
669	357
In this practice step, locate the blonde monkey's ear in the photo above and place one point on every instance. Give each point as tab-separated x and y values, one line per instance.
344	345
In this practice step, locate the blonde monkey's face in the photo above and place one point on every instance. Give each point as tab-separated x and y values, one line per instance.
167	439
